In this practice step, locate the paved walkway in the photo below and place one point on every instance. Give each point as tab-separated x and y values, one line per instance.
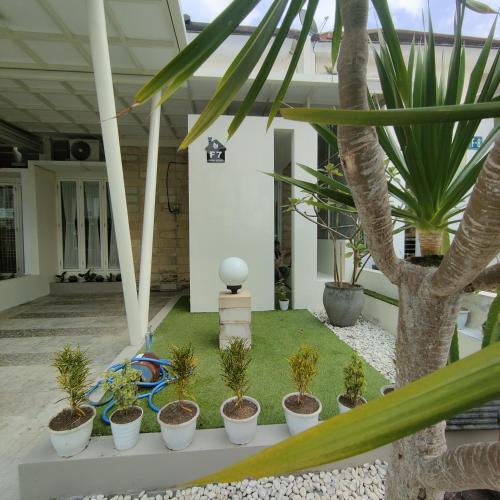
30	334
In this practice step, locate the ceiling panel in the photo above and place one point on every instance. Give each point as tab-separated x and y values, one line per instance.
65	101
57	53
27	15
14	115
25	100
85	117
74	15
12	53
154	25
153	58
50	116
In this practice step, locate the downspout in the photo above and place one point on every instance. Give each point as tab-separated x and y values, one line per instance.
109	126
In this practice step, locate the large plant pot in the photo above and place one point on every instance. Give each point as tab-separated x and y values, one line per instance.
343	408
343	305
299	422
284	305
70	442
125	436
240	431
387	389
179	436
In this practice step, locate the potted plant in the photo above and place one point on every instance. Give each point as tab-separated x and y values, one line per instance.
178	419
343	298
355	384
240	412
60	277
282	292
70	429
73	278
99	278
301	408
462	317
127	417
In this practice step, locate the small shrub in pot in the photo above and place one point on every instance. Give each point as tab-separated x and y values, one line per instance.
99	278
301	408
73	278
282	292
178	418
127	417
355	385
70	429
240	412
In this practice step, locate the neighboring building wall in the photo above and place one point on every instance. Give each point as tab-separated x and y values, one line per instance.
170	265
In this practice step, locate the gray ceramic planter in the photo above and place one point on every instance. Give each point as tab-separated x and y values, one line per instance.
343	305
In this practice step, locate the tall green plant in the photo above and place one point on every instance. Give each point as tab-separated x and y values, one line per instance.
73	367
234	361
304	366
122	385
183	364
354	379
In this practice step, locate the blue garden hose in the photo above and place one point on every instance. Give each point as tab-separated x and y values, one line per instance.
156	387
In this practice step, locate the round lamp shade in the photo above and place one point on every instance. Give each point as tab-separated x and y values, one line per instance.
233	272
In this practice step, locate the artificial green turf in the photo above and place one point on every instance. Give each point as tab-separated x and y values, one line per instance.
275	334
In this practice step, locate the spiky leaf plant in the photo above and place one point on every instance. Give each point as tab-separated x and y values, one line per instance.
123	387
73	366
183	364
354	379
234	361
304	366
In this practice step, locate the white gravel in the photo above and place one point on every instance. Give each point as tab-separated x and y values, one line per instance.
360	483
373	343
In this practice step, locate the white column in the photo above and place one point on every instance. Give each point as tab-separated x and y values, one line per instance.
107	112
149	213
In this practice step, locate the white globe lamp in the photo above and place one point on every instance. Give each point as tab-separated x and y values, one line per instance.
233	272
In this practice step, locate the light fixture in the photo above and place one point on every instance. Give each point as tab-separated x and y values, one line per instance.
233	272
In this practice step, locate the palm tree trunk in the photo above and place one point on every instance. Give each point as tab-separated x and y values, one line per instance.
421	466
430	241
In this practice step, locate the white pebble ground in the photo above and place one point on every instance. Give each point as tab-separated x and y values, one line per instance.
360	483
373	343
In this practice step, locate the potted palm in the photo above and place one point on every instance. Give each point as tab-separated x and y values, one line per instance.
301	408
355	384
282	292
343	298
127	417
240	412
70	429
178	419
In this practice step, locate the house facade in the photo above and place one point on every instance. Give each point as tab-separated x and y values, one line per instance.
211	202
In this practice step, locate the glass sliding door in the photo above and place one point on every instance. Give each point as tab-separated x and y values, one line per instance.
92	214
87	237
11	246
69	225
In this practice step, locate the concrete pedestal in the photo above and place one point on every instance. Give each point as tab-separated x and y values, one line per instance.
234	317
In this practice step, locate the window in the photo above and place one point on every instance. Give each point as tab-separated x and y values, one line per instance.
86	236
11	246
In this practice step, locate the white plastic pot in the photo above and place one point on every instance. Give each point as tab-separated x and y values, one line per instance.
179	436
240	431
462	317
73	441
125	436
343	408
385	387
284	305
299	422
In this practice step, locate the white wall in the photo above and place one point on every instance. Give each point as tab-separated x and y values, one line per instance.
39	239
231	211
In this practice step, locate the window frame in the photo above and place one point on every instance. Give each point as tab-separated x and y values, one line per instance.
103	225
18	222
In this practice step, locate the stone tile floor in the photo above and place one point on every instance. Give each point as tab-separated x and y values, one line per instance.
29	336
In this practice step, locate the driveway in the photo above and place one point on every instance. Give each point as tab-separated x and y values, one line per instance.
30	334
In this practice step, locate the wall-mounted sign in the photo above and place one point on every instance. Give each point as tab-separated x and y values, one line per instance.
216	151
476	142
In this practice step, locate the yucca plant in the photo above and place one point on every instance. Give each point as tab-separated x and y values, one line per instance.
304	367
73	367
234	361
183	364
